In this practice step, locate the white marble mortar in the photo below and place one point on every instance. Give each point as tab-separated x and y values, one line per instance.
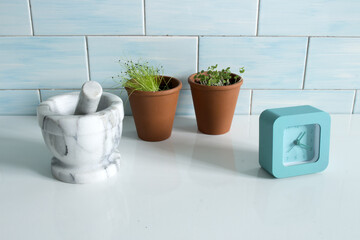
84	146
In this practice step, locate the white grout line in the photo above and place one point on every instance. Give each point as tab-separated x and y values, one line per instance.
297	89
87	59
31	19
144	17
197	54
253	89
334	36
354	101
312	36
251	100
40	89
257	18
180	36
14	36
305	63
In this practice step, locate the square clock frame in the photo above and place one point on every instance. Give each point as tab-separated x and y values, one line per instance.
294	141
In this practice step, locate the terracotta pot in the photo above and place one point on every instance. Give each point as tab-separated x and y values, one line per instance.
154	112
214	105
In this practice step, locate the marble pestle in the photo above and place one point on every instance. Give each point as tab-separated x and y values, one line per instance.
83	132
89	98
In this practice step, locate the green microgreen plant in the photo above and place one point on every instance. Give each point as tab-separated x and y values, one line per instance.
141	76
215	77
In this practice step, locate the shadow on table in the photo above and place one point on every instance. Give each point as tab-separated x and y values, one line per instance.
247	162
185	124
237	160
131	134
130	130
209	152
25	154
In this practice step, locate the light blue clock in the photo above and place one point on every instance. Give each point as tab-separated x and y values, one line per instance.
294	140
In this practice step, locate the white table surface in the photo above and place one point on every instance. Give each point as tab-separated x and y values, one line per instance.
191	186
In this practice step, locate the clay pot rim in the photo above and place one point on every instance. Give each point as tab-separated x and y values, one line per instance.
194	84
158	93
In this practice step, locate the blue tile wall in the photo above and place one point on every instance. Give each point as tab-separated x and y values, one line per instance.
333	63
333	101
295	52
14	18
357	103
176	54
184	107
198	17
309	17
18	102
42	62
45	94
274	63
90	17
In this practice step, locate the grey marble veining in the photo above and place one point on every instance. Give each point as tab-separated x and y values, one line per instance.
84	146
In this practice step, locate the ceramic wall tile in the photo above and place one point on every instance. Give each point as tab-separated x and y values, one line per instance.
272	63
333	63
332	101
81	40
310	17
177	55
15	18
196	17
185	104
357	102
91	17
18	102
42	62
46	94
243	102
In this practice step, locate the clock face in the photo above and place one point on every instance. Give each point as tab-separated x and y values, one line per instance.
301	144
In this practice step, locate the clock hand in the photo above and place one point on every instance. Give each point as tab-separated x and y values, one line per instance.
305	146
293	145
297	140
302	135
298	136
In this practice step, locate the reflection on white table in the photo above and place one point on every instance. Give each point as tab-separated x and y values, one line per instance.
191	186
